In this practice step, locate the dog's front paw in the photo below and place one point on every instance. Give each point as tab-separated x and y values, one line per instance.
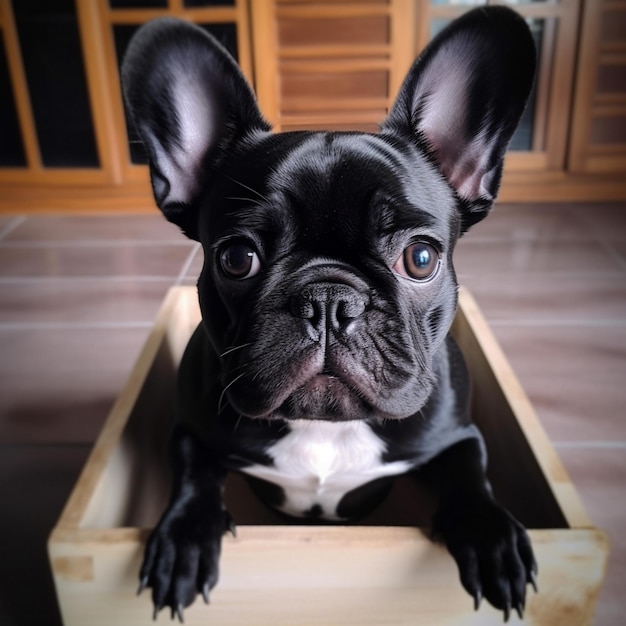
182	556
492	550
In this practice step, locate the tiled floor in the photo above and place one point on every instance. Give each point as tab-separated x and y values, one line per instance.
78	295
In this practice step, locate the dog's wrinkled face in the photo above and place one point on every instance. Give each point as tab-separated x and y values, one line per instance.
328	280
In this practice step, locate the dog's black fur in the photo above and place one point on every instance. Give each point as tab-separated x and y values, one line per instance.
327	295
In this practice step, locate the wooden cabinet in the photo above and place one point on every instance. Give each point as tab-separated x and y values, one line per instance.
315	64
94	35
599	114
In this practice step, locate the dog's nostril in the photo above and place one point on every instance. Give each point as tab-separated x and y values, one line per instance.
302	307
349	309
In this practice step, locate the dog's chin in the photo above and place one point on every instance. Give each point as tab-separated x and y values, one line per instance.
325	397
322	397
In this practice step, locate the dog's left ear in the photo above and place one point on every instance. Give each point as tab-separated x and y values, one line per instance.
463	99
190	104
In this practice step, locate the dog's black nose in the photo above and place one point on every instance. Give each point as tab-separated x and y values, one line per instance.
329	306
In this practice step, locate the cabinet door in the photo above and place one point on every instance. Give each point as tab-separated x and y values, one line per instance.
599	126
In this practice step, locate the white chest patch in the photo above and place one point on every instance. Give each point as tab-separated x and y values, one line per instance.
318	462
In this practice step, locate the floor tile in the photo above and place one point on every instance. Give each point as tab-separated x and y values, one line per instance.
95	260
59	386
536	221
618	249
559	298
599	476
76	304
35	482
605	220
533	256
84	302
58	228
574	377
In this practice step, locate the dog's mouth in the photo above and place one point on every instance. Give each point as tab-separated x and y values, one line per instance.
325	396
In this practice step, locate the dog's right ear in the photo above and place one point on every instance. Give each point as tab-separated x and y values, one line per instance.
190	103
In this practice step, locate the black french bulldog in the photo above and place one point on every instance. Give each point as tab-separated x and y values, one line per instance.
323	365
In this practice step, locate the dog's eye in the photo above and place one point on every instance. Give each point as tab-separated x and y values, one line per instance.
419	261
240	261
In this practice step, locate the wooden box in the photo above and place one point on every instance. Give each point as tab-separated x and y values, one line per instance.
384	571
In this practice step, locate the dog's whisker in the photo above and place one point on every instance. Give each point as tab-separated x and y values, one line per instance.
234	348
238	421
220	406
242	199
254	191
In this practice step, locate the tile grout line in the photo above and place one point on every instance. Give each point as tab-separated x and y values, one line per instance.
187	265
90	243
590	445
557	322
11	226
10	326
88	445
463	275
145	278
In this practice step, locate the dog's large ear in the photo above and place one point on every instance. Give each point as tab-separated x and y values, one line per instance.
463	99
189	103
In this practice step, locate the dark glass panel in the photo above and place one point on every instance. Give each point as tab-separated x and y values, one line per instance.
209	3
11	147
523	137
138	4
55	73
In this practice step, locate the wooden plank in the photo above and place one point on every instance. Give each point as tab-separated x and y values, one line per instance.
382	576
336	51
265	57
498	383
108	135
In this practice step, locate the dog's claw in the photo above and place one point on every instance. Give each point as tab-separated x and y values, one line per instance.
143	583
507	611
519	608
478	596
532	576
155	613
205	594
229	524
178	612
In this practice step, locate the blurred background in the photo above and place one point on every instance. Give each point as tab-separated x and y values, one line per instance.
85	258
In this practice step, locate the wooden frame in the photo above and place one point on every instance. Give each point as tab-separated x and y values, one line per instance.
590	105
279	574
